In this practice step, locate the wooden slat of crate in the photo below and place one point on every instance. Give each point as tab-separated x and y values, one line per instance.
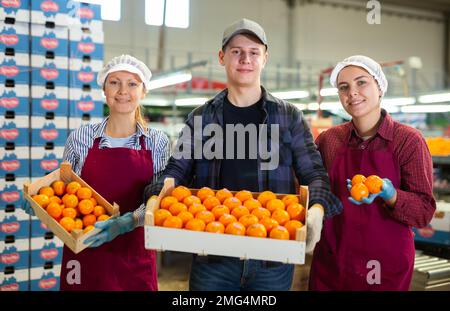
206	243
75	239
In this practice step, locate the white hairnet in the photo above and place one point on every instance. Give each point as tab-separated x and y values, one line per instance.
365	62
125	63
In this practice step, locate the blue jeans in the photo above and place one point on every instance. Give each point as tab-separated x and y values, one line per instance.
216	273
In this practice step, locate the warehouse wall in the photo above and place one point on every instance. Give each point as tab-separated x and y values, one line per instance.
321	36
203	37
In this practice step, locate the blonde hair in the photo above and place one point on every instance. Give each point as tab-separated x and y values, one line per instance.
139	118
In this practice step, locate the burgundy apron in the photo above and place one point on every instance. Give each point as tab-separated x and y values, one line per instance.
119	175
362	233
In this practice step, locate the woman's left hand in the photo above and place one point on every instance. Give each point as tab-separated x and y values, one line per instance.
387	193
110	229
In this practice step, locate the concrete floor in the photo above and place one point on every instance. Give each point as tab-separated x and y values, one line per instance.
173	272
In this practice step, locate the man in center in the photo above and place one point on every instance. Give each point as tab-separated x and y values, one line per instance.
245	102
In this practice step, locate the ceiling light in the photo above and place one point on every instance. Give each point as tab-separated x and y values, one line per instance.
332	91
434	98
170	80
291	94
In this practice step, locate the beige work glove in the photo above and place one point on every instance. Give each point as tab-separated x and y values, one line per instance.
313	227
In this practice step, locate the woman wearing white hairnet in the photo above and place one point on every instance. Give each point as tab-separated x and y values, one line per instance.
370	245
118	158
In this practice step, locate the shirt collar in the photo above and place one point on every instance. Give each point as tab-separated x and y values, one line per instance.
265	96
102	127
385	130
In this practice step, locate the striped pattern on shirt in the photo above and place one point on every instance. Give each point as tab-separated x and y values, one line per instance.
82	139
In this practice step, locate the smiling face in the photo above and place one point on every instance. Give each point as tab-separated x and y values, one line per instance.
123	91
358	92
244	58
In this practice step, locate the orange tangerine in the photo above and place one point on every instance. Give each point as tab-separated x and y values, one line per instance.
358	178
185	217
359	191
232	202
274	204
373	183
227	219
59	187
94	201
244	195
248	220
261	212
289	199
48	191
72	187
215	227
296	211
167	202
102	217
211	202
235	228
180	193
41	199
292	226
89	220
161	215
99	210
204	193
219	210
54	210
88	228
173	222
85	207
55	199
223	194
239	211
69	212
281	216
196	207
191	200
252	204
195	225
78	224
70	200
177	208
269	223
206	216
280	233
265	197
84	193
257	230
67	223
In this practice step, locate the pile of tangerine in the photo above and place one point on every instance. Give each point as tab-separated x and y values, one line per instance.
362	186
72	205
239	214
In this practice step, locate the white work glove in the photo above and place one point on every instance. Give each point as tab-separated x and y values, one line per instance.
313	227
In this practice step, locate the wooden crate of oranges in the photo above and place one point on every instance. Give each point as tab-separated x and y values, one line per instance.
68	206
243	224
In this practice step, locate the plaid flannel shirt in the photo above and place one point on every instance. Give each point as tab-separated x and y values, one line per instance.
298	155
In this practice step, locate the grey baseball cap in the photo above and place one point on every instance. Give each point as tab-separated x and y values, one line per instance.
244	26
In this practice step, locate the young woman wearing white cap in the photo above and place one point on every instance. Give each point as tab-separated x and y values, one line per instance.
370	246
118	158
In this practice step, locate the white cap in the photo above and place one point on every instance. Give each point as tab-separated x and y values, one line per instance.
371	66
126	63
